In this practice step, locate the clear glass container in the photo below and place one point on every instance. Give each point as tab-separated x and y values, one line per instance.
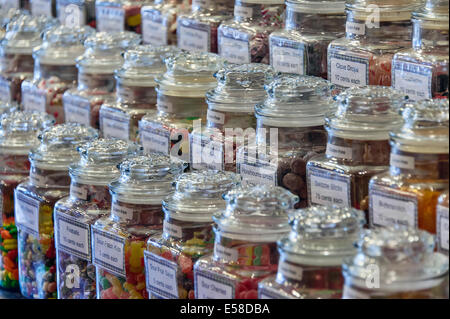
46	8
442	223
311	256
18	135
375	31
358	147
54	70
290	123
302	46
245	249
159	21
396	263
96	82
245	38
34	201
89	200
119	240
197	31
135	91
119	15
187	232
422	71
230	118
8	107
180	102
407	193
76	13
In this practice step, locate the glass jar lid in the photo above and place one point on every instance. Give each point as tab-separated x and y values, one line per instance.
146	179
316	6
369	112
296	100
386	10
143	63
425	129
100	159
403	258
198	195
433	14
240	87
256	213
189	74
58	147
19	131
22	35
322	235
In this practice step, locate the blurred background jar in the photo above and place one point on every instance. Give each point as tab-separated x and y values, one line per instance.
245	38
422	71
96	83
302	46
159	21
8	107
89	200
76	13
375	31
54	70
396	263
442	223
230	118
242	256
136	214
311	256
18	135
197	31
45	8
358	147
135	91
34	202
180	102
187	231
119	15
408	192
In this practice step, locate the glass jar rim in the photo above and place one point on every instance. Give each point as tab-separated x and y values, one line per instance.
316	6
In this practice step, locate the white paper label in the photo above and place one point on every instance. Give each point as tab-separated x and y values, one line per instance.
254	174
288	60
155	139
355	28
291	271
33	99
121	211
264	293
207	154
115	125
193	39
5	90
328	188
243	12
161	275
442	227
401	161
235	50
173	230
77	109
153	30
110	19
412	79
27	213
41	7
213	286
38	179
339	151
348	70
78	192
227	254
73	236
108	251
164	104
215	117
71	14
6	5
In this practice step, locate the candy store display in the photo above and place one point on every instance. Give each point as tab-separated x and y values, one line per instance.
302	46
358	147
422	72
54	70
96	82
34	200
312	255
396	263
119	15
8	107
45	8
159	21
375	31
89	200
76	13
407	194
442	223
180	102
135	91
245	39
187	232
230	119
18	135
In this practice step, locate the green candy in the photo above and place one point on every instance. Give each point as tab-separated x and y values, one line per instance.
105	283
258	251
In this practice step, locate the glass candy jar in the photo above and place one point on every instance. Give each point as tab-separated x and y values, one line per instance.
230	118
407	193
89	200
393	263
135	91
422	72
8	107
245	250
119	240
187	232
96	83
159	21
34	201
54	70
442	223
245	39
180	101
358	147
76	13
18	134
46	8
302	47
311	256
119	15
375	31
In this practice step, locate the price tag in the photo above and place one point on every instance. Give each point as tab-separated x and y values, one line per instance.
225	253
77	109
155	139
27	213
41	7
235	47
123	212
328	187
33	99
402	161
207	154
412	79
161	275
258	173
73	235
355	28
194	38
442	227
339	151
114	124
173	230
209	285
287	56
108	251
154	30
264	293
110	19
348	69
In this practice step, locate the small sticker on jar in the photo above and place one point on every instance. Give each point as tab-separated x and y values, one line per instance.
33	98
401	161
79	192
194	38
209	285
339	151
122	212
287	56
38	179
10	4
207	154
164	104
110	19
355	28
161	275
108	251
41	8
258	173
155	139
264	293
71	14
290	270
412	79
328	188
73	235
243	11
172	230
154	31
26	213
215	117
348	69
5	90
115	124
234	47
77	109
225	253
442	227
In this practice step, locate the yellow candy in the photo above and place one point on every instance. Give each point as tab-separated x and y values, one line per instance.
117	291
137	253
140	285
136	295
182	293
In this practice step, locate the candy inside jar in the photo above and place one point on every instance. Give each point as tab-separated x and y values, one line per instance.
118	15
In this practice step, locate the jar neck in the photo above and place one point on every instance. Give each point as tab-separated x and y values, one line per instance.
135	96
94	81
181	107
247	11
48	178
191	233
314	23
14	164
66	73
426	35
136	214
95	194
